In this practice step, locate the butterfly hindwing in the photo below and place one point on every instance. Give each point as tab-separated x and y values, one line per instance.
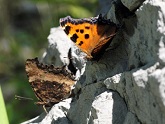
50	84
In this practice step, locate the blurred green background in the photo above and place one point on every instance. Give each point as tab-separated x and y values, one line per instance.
24	28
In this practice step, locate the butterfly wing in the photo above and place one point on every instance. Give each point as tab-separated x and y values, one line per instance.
50	84
89	34
107	32
81	32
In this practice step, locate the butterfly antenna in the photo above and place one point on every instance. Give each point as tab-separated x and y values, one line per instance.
22	98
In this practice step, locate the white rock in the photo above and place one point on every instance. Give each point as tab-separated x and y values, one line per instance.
56	115
134	70
58	47
131	119
132	4
105	106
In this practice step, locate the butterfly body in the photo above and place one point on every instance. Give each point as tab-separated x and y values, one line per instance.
89	34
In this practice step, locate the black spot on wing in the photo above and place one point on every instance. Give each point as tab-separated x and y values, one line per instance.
67	29
86	36
77	30
74	38
81	42
87	27
81	31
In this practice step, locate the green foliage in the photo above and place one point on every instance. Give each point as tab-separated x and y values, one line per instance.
3	114
74	8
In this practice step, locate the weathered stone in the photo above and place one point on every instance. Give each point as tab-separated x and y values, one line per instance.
127	84
132	4
57	115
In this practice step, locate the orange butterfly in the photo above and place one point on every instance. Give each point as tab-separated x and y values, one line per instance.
92	35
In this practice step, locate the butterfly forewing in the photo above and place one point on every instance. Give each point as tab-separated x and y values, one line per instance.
89	34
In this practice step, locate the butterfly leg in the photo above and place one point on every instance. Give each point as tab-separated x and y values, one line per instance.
43	105
45	109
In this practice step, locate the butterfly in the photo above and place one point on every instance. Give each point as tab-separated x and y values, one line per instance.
50	84
92	35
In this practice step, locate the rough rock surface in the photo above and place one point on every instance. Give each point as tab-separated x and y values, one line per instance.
127	85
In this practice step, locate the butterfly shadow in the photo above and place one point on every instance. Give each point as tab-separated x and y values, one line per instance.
120	110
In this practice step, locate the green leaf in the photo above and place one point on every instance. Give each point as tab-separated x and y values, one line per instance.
79	11
3	113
